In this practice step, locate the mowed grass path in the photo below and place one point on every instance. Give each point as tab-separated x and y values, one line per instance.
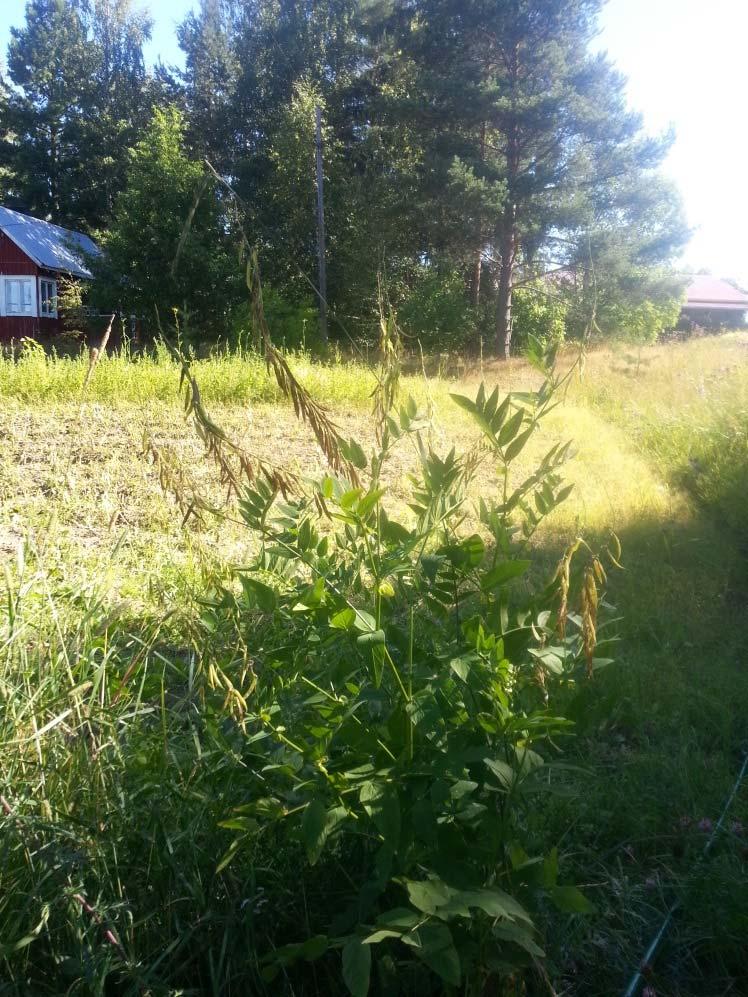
659	733
73	479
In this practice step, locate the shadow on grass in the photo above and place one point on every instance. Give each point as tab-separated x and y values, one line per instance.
663	732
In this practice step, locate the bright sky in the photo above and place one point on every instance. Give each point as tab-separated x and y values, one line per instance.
685	60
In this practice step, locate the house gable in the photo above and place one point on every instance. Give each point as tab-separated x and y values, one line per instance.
49	246
13	260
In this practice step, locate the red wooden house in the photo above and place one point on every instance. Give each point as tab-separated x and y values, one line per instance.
34	257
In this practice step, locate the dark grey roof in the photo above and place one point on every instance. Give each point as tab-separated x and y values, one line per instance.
48	245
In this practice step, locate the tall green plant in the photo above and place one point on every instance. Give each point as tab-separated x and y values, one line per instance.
401	712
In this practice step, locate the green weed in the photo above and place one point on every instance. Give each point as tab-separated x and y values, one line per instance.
111	814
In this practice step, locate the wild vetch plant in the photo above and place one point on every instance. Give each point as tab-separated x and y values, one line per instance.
395	688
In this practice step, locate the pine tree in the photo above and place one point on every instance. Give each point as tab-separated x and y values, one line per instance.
542	123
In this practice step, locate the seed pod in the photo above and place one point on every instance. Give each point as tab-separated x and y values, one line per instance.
589	616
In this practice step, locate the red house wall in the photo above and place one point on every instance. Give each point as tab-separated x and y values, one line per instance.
14	262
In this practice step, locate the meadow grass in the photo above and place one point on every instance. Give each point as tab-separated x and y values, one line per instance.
225	377
117	762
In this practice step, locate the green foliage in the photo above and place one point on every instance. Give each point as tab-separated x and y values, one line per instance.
295	325
81	98
209	80
435	311
166	251
644	322
478	141
539	314
337	747
532	138
238	377
404	710
119	731
51	68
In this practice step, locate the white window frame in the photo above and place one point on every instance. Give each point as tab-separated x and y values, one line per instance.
22	279
50	297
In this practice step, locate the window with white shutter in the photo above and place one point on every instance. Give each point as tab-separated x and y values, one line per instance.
19	296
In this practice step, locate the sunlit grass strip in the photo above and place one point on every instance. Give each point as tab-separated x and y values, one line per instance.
225	378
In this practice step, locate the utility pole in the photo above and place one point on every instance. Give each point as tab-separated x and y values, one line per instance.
321	233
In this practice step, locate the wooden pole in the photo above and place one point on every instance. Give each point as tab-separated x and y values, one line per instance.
321	232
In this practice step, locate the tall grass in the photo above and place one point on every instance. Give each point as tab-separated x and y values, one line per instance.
685	408
117	760
116	767
668	723
225	378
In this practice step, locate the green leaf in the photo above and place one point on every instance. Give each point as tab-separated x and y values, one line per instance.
469	553
263	594
465	403
516	446
461	788
315	947
382	805
502	573
348	499
380	936
494	902
428	895
398	919
316	825
313	829
344	620
497	420
229	855
433	944
368	502
311	597
514	933
503	772
378	653
511	429
304	535
476	412
246	824
570	900
461	667
357	967
375	637
353	452
550	869
395	533
364	621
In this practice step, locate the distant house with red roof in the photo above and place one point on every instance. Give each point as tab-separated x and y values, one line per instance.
35	256
711	301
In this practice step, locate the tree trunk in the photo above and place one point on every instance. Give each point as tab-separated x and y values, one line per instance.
321	230
508	231
54	190
475	280
478	261
506	284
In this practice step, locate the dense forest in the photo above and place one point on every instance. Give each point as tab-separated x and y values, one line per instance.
480	162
